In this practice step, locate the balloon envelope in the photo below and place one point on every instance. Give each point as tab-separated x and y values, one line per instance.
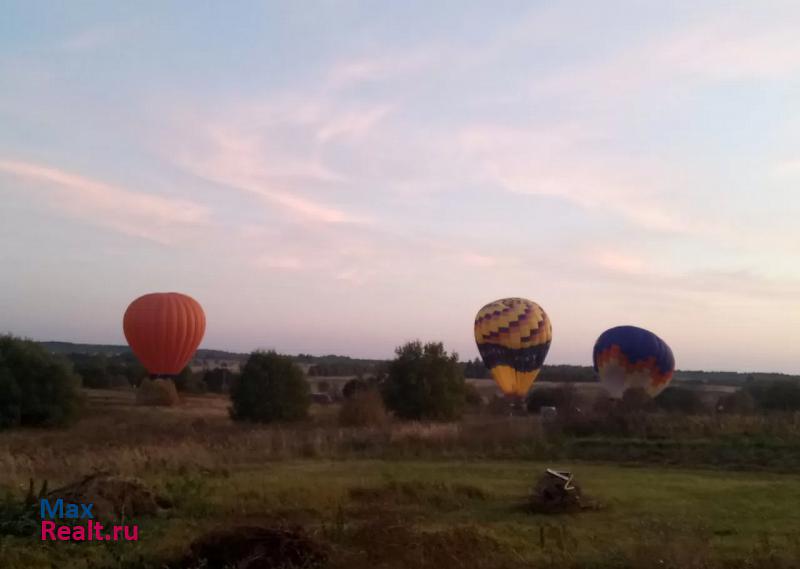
628	357
513	337
164	329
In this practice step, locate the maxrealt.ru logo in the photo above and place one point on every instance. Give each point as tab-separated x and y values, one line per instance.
68	521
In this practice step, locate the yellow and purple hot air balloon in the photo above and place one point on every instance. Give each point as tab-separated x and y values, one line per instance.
628	357
513	337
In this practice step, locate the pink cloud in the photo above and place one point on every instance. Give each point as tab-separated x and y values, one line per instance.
133	213
248	151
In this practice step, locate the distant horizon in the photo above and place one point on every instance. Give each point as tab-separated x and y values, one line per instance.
376	358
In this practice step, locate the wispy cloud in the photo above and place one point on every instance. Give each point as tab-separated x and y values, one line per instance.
736	46
131	212
276	150
555	162
351	124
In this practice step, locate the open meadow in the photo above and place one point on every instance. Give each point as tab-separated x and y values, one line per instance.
424	495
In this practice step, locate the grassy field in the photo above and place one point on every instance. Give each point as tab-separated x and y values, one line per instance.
409	496
366	510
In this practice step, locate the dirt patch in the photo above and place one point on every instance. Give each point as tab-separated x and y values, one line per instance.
254	547
114	497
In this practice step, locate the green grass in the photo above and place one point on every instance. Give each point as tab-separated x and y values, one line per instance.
647	512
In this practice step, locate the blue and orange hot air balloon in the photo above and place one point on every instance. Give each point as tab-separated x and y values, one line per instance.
628	357
513	337
164	330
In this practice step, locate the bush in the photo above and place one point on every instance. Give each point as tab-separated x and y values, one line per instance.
36	388
270	388
364	409
183	380
189	382
472	396
425	382
776	395
354	386
99	371
93	370
680	400
564	398
218	380
539	397
157	392
737	403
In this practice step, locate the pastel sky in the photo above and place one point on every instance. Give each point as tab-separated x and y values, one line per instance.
339	177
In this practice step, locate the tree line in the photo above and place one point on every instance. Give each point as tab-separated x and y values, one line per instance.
423	382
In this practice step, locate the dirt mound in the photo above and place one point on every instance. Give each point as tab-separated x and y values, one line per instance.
252	547
114	497
556	493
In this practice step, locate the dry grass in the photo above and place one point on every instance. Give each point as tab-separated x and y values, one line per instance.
118	436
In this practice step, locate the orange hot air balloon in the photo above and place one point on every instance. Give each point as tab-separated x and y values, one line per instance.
164	330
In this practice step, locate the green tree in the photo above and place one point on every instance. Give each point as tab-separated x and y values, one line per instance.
425	382
93	370
218	380
271	388
36	388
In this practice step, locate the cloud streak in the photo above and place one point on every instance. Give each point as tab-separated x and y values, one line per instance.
130	212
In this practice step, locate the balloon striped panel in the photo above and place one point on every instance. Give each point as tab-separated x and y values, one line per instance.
513	337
